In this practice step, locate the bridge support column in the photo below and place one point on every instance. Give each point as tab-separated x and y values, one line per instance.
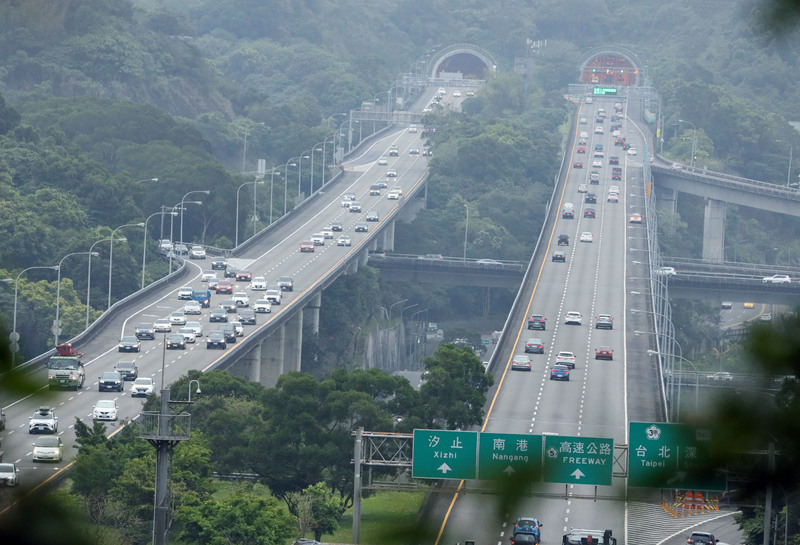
293	342
272	350
388	237
714	230
667	200
311	312
253	362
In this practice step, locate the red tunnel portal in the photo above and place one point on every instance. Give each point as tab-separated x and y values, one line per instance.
609	69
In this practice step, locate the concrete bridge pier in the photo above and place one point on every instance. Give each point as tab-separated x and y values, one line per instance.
293	342
388	237
311	312
714	230
667	200
272	357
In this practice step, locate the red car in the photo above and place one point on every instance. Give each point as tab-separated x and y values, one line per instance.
604	353
577	164
589	213
306	246
224	286
244	276
581	149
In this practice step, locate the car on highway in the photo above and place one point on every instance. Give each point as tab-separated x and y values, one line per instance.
581	149
559	372
413	128
286	283
534	346
145	331
597	163
229	306
216	339
355	206
197	252
666	271
306	246
241	299
336	226
274	294
559	256
573	318
259	283
590	198
777	279
318	239
604	321
635	218
565	357
727	304
192	307
612	197
391	173
583	188
343	240
230	272
594	178
225	286
127	370
586	236
604	353
383	161
9	474
393	150
599	129
185	292
374	190
162	325
372	216
176	341
105	409
527	525
218	315
129	343
702	538
188	334
213	283
563	240
537	321
393	195
110	381
348	198
177	318
577	164
229	331
142	387
197	327
243	276
413	151
361	227
749	305
613	160
521	362
262	306
48	449
219	263
631	151
247	316
43	420
589	212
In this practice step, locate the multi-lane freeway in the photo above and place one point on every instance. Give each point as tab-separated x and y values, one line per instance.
276	254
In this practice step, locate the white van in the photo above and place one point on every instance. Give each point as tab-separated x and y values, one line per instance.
568	211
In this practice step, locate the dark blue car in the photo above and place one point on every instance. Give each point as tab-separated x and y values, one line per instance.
559	372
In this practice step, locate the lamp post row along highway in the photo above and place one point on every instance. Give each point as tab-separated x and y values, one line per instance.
14	335
144	242
57	322
204	191
254	182
89	274
111	255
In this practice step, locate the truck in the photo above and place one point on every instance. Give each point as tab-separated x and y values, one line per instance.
203	297
65	370
580	536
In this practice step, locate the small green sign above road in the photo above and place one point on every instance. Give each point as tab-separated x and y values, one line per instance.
578	460
444	454
672	456
503	455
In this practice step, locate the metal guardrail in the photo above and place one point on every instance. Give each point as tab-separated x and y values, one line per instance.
449	262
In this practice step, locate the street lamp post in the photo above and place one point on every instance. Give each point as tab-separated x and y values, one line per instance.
14	336
89	275
204	191
144	240
324	153
694	139
180	205
680	383
256	181
466	231
789	172
286	181
315	148
111	255
271	188
57	322
394	305
300	172
190	388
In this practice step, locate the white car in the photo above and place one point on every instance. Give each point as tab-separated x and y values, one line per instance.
208	275
343	240
566	358
188	334
142	386
667	271
9	475
259	283
192	307
391	174
598	129
162	326
105	409
383	161
597	163
185	292
614	189
238	327
393	195
177	318
274	295
589	100
241	299
318	239
197	252
327	232
586	236
777	279
631	151
197	327
412	129
48	449
573	318
456	93
262	306
613	197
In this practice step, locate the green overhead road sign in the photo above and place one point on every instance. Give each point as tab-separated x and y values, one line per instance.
444	454
672	456
509	455
578	460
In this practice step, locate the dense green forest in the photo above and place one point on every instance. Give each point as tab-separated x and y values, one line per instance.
99	97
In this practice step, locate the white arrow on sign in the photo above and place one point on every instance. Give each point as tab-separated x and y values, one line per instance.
577	474
444	468
509	470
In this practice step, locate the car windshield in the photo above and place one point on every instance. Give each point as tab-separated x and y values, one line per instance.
63	364
47	442
105	404
109	375
143	381
6	468
124	365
